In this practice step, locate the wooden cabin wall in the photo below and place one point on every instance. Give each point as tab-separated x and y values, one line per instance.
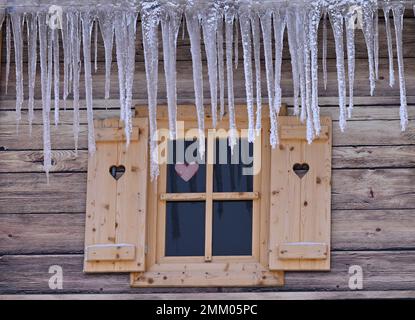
373	186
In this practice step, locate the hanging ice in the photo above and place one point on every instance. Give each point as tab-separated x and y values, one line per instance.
31	20
398	12
106	23
292	43
221	66
150	21
8	48
256	39
17	22
350	19
75	39
87	24
325	50
56	74
386	12
170	25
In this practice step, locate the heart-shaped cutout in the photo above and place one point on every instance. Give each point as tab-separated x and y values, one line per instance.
117	171
186	171
301	169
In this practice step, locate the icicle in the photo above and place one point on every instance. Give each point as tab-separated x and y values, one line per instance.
106	24
325	50
96	47
376	43
386	11
209	27
76	71
229	21
150	22
337	25
302	55
292	43
56	74
398	12
87	24
245	24
193	29
314	18
350	42
368	31
16	19
131	20
256	39
66	44
8	48
32	61
120	39
221	67
45	84
236	47
266	25
279	29
170	29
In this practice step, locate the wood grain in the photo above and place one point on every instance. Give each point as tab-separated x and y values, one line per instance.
382	270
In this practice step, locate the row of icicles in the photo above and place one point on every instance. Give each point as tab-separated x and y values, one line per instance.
219	28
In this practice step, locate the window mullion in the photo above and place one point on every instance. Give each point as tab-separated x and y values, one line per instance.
209	192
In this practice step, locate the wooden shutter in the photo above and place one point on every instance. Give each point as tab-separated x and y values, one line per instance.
300	206
116	209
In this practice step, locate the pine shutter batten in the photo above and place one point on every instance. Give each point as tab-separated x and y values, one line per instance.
300	198
116	206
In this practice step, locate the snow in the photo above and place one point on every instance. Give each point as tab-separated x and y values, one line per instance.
219	23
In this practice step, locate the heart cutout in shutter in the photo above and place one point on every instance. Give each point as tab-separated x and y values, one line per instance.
117	171
301	169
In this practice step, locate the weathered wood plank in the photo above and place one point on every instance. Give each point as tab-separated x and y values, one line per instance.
64	233
352	189
342	158
359	133
294	295
185	90
66	117
382	270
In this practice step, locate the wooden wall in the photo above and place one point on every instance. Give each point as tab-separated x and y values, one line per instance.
373	193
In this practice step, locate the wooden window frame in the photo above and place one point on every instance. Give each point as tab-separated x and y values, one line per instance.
209	271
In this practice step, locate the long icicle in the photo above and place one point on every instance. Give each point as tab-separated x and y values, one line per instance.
337	25
368	32
292	43
398	12
376	43
56	74
325	50
43	42
280	23
386	12
193	29
170	30
32	62
150	21
209	28
245	24
266	25
76	70
221	66
66	44
229	32
106	24
8	49
350	43
16	19
120	40
256	40
87	24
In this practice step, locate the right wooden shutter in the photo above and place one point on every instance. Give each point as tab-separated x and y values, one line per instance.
300	198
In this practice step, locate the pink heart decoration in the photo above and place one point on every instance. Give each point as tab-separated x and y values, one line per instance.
186	171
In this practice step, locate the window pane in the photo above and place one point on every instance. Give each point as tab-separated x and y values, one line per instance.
185	176
232	228
227	171
185	228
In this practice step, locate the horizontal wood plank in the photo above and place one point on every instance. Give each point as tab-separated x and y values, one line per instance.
385	270
59	233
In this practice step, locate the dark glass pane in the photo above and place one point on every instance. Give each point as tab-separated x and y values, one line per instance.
232	228
185	228
228	169
185	176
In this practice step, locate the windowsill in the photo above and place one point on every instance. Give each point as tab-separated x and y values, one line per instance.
212	274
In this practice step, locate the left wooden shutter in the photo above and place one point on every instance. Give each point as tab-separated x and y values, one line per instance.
116	208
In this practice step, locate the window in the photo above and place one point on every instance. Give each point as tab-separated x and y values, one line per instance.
225	219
